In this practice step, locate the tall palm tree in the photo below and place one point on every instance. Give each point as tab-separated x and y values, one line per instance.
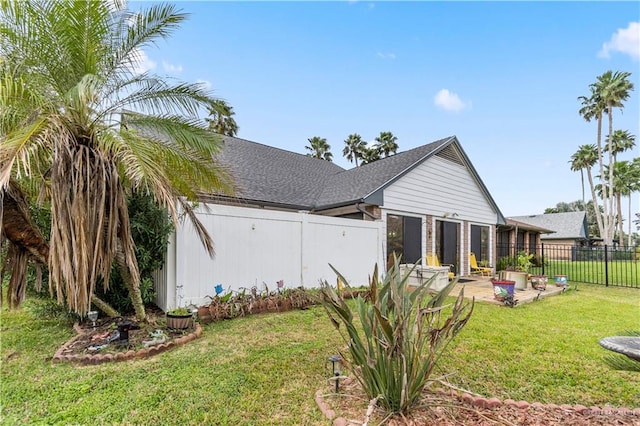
584	159
354	147
387	143
613	89
79	119
221	118
622	141
319	148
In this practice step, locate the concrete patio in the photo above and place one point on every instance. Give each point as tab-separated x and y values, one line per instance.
482	289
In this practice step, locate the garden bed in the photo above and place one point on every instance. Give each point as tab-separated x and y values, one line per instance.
95	345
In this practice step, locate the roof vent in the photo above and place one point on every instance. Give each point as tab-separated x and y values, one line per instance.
449	153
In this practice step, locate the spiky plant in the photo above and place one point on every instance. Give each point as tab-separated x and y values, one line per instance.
397	335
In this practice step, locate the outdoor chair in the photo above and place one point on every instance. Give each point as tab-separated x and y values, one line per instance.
432	260
475	269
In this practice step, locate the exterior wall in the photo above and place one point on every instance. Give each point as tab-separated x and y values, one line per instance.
257	247
440	189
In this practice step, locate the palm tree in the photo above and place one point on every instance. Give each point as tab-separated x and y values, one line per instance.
584	159
319	148
369	155
221	118
613	90
78	119
622	141
387	143
354	147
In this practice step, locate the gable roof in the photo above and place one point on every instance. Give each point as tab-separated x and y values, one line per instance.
276	177
568	225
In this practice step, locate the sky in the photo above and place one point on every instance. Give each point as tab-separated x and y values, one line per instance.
504	77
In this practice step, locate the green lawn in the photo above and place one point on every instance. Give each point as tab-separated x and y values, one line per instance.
624	273
266	369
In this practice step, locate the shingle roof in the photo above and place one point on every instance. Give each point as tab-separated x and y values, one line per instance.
269	175
272	175
569	225
357	183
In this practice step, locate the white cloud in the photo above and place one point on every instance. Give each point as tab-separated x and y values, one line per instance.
171	68
206	84
450	101
625	40
386	55
141	62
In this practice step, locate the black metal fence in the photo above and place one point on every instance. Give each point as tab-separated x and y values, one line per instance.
610	266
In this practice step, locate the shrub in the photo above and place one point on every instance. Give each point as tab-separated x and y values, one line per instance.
150	229
401	335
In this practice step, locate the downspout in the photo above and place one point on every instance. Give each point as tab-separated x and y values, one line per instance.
366	213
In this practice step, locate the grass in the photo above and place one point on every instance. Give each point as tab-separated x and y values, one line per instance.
625	273
266	369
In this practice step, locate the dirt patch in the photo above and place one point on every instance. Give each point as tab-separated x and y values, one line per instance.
448	408
102	343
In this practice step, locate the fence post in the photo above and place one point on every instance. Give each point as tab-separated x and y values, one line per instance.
542	258
606	267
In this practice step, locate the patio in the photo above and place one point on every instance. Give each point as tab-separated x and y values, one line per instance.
482	289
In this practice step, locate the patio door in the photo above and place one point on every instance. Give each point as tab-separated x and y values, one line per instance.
480	242
448	242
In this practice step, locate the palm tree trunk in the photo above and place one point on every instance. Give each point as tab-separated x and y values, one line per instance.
104	306
620	224
595	203
601	217
610	191
133	285
629	236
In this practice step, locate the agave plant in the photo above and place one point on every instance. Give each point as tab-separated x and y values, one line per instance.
396	336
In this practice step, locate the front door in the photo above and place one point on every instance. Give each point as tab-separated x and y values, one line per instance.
447	242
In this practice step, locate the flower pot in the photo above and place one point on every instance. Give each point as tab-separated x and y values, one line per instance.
539	282
502	288
560	280
519	277
179	321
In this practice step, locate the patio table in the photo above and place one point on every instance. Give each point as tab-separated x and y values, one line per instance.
626	345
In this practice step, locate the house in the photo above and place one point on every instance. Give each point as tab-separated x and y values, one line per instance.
293	214
569	230
515	236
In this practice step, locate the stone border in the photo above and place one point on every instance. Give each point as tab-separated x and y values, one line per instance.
94	359
482	402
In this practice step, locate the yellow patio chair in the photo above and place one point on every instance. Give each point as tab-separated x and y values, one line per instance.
432	260
475	269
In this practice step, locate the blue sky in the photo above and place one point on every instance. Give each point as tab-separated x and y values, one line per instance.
503	77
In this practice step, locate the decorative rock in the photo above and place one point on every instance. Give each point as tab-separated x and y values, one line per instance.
537	405
107	357
510	402
566	407
494	402
453	393
594	408
522	405
340	421
553	406
142	353
468	398
578	408
480	402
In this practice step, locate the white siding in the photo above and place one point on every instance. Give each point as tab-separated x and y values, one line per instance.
255	247
436	187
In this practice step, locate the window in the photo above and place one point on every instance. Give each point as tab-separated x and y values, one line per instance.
404	238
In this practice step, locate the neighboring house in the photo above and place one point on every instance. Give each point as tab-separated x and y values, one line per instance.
293	214
516	236
570	230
